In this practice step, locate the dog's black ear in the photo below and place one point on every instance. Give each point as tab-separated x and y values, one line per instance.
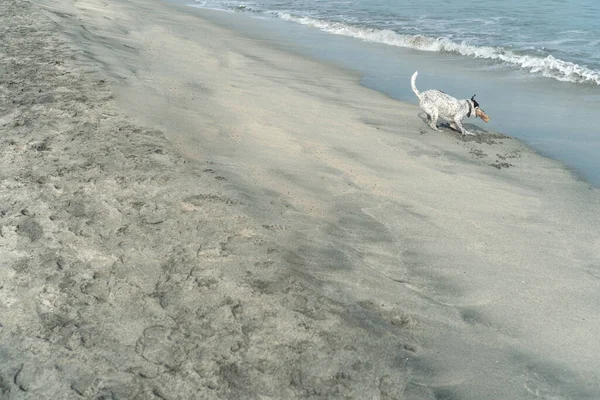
475	103
473	98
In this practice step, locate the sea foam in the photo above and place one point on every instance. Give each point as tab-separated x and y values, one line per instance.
548	66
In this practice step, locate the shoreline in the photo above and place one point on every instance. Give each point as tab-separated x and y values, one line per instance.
531	126
381	30
191	213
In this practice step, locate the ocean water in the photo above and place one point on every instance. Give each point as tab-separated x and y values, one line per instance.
559	39
535	65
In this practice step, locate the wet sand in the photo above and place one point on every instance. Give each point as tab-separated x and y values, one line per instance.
188	213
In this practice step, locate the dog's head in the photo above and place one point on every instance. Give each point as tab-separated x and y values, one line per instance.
478	111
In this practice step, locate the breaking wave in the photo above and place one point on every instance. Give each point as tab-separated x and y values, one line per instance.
547	66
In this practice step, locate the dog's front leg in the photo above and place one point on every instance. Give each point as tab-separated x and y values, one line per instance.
461	128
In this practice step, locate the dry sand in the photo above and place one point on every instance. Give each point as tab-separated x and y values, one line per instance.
186	213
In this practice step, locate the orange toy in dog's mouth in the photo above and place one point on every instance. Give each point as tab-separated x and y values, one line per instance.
482	115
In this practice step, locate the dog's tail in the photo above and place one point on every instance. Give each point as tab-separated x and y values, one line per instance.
413	79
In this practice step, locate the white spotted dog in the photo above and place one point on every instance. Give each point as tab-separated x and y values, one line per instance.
438	104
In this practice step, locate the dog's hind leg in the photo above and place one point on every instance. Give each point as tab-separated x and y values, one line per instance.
433	117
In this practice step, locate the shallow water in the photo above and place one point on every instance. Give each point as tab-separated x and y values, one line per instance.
553	116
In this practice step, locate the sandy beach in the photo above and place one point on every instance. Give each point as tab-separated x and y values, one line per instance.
188	213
